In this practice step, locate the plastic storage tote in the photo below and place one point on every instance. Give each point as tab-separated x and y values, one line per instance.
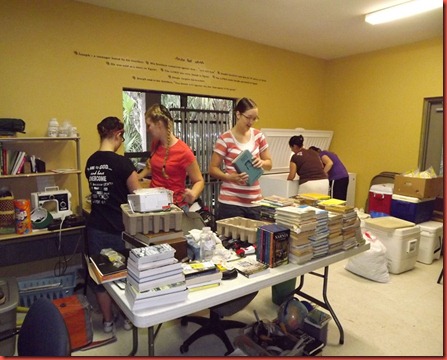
411	208
430	244
380	199
401	239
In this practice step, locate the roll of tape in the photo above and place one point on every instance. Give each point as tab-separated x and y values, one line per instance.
41	218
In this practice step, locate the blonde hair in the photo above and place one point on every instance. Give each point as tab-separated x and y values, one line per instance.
157	113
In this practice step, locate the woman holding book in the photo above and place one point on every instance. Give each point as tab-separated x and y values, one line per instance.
308	166
111	178
171	159
236	195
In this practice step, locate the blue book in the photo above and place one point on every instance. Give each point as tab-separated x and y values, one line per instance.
243	164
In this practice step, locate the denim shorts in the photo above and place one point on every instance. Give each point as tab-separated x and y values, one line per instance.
98	240
226	211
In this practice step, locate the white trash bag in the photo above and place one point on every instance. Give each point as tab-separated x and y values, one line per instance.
371	264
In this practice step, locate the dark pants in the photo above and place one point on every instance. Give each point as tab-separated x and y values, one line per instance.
98	240
227	211
339	188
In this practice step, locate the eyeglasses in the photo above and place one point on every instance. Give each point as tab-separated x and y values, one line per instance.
250	118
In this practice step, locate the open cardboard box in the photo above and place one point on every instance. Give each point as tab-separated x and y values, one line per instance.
418	187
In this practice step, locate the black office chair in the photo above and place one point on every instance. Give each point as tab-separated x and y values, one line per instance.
43	332
214	325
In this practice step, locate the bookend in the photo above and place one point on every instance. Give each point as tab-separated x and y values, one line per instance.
214	325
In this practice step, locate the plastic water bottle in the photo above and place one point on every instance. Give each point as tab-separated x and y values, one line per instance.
53	128
64	129
207	244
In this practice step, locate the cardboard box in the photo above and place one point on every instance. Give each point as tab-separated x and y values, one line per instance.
152	221
418	187
239	228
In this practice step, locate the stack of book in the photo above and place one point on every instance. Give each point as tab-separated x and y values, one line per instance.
154	277
297	218
335	238
300	248
201	275
273	244
352	235
319	239
269	204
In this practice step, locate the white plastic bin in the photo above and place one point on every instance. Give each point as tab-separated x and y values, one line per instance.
277	184
430	244
401	239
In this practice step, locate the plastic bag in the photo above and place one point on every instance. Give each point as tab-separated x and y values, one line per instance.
371	264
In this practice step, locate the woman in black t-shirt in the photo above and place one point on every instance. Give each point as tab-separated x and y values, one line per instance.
111	178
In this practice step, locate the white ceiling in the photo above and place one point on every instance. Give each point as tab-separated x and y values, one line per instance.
326	29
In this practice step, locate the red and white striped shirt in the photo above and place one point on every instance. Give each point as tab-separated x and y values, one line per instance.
228	147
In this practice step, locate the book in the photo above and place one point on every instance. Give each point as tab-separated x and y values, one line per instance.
156	291
204	277
105	270
205	285
156	301
150	284
150	265
151	253
243	164
273	244
157	271
250	267
18	162
195	267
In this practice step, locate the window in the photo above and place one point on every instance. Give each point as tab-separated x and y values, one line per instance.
198	121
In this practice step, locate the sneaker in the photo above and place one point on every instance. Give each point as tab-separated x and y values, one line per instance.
127	324
108	326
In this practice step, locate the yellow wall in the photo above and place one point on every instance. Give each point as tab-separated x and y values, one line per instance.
45	72
374	104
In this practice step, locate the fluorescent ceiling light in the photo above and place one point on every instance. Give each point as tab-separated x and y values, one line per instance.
403	10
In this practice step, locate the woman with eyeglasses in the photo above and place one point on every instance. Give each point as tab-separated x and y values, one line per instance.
171	159
308	166
111	178
236	197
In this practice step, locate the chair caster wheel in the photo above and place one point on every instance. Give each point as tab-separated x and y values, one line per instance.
184	349
183	321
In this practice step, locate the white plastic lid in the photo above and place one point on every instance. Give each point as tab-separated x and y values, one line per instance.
382	188
206	229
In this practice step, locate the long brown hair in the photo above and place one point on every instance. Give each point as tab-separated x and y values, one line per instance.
157	113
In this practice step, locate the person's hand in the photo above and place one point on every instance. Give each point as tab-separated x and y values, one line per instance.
257	162
189	196
148	166
240	179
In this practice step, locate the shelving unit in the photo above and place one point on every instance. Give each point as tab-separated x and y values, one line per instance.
63	167
38	251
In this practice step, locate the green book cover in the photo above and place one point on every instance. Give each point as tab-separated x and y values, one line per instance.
243	163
